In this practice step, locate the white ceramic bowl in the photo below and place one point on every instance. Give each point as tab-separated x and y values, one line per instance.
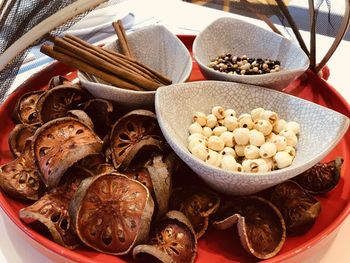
154	46
321	128
229	35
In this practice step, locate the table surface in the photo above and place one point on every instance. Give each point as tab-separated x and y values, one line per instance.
193	19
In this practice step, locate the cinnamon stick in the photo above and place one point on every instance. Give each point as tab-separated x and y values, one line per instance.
117	55
122	39
83	66
106	66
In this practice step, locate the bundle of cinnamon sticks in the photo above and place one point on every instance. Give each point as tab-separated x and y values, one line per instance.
120	70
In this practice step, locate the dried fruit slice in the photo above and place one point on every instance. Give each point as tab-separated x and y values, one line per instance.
261	227
101	113
58	81
112	213
19	178
60	143
129	133
197	204
172	240
82	116
26	110
299	209
52	209
57	101
321	178
18	137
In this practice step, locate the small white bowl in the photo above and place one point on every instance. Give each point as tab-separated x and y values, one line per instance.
154	46
321	128
229	35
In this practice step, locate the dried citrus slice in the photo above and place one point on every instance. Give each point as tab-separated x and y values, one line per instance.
261	227
197	204
52	209
26	109
57	101
129	135
18	137
112	213
172	240
19	178
60	143
299	209
321	178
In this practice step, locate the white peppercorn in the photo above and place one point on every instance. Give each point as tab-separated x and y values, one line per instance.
241	136
245	121
256	138
251	152
293	126
279	126
227	138
211	121
228	151
195	128
218	112
219	130
230	122
228	162
239	149
215	143
214	158
283	159
267	150
280	142
200	151
200	117
263	126
207	132
256	113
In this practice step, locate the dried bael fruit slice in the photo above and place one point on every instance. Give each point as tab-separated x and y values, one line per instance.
18	137
57	101
321	178
58	81
60	143
299	209
172	240
101	113
261	227
26	110
19	178
82	116
111	213
129	135
52	209
197	204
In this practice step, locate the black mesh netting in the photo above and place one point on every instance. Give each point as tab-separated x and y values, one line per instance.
16	18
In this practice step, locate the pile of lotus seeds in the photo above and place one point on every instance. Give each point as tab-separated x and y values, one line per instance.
255	142
244	65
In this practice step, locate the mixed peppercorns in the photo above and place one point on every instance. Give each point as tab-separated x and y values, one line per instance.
255	142
244	65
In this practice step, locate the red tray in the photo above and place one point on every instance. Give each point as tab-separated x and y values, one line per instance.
215	246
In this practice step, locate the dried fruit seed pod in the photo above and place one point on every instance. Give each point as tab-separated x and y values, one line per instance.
321	178
241	136
261	227
211	121
245	121
263	126
19	178
256	138
26	109
256	114
60	143
18	137
200	118
56	102
173	240
52	209
111	213
213	158
279	126
228	162
218	112
299	209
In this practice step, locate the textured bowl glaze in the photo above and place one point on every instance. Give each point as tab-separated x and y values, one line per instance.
321	128
229	35
154	46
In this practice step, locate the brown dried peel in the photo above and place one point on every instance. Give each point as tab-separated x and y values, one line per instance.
18	137
26	108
